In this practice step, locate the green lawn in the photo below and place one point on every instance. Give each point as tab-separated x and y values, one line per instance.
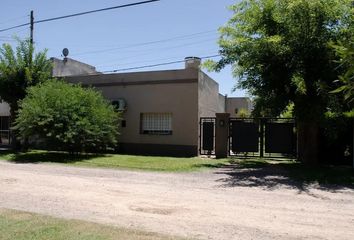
17	225
290	168
167	164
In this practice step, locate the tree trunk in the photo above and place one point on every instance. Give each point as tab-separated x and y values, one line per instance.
308	142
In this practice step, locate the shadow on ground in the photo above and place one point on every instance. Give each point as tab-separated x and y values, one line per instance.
47	157
271	174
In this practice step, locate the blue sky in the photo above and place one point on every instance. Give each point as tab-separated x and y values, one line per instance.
154	33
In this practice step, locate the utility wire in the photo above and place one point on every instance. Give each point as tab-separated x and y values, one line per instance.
79	14
151	51
145	61
154	50
181	37
155	65
94	11
17	26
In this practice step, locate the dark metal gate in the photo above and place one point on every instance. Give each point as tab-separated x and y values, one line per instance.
274	137
243	136
252	137
207	136
280	136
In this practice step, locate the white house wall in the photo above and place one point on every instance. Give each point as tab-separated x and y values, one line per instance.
174	92
209	99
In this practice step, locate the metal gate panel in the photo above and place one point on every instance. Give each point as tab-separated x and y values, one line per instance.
207	136
244	136
257	136
280	138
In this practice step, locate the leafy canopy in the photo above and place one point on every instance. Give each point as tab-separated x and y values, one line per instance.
67	117
280	53
346	53
21	69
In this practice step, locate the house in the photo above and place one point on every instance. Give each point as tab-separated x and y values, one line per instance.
160	109
234	105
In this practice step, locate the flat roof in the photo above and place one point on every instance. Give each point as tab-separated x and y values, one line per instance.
137	78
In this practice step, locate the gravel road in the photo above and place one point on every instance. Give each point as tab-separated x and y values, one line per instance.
226	203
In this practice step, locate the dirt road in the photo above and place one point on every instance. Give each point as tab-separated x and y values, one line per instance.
224	204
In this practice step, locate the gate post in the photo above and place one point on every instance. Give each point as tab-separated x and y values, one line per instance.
262	122
221	135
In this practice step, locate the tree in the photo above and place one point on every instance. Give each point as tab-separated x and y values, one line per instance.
67	117
243	113
20	70
345	51
280	53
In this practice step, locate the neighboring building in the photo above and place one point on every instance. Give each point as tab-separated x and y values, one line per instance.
69	67
160	109
235	104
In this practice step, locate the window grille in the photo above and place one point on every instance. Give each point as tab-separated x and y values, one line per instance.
156	123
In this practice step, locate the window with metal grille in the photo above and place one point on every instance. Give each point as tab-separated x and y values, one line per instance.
156	123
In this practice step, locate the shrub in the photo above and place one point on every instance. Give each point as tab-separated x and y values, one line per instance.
67	117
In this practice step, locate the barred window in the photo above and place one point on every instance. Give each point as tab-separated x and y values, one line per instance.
156	123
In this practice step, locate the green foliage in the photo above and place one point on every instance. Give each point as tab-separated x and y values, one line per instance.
345	51
243	113
67	117
21	69
288	112
280	53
